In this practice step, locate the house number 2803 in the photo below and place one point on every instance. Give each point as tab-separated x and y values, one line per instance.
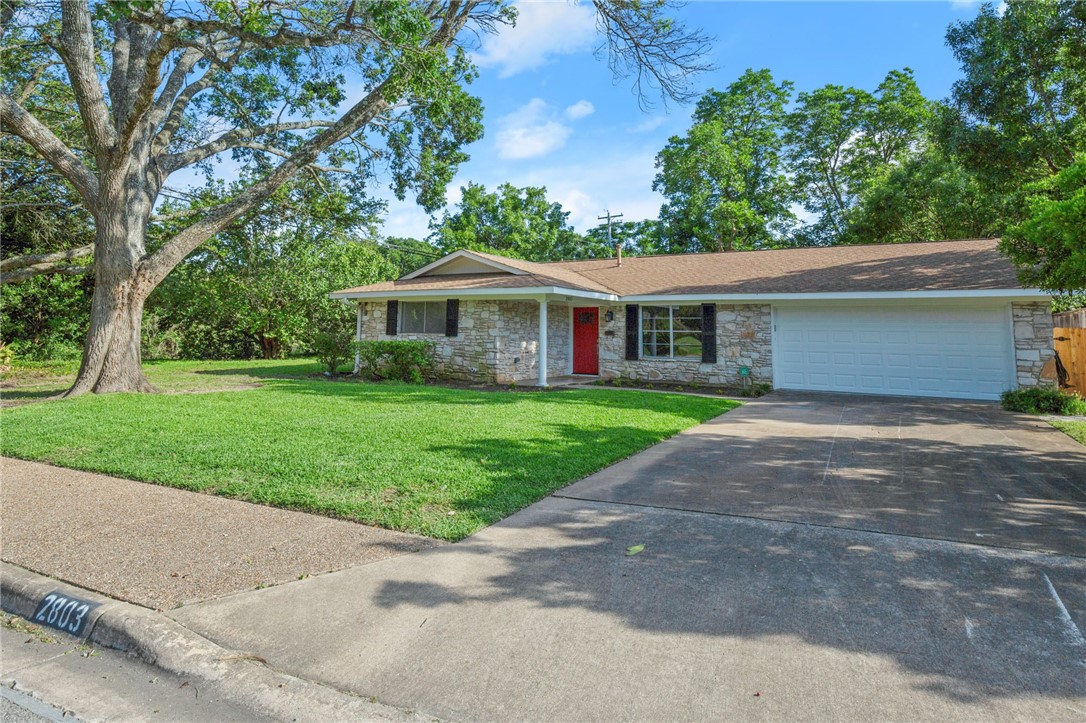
63	612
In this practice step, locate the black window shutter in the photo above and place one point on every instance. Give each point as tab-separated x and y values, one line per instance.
632	329
452	317
708	333
391	317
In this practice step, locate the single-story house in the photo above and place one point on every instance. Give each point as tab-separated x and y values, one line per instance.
945	319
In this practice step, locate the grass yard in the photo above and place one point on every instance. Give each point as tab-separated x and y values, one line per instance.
31	381
1074	430
436	461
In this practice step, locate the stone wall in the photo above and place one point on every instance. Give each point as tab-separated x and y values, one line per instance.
743	338
1032	341
497	340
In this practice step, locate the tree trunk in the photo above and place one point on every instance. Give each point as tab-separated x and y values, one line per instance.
111	356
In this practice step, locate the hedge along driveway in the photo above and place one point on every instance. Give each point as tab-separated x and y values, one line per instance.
436	461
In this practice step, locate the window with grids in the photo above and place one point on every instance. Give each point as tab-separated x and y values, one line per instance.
671	332
422	317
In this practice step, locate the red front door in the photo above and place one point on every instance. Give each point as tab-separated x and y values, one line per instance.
586	338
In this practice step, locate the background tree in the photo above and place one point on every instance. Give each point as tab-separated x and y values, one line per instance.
638	238
407	254
842	141
519	222
262	285
1049	246
926	198
1018	108
1018	124
43	224
724	180
161	87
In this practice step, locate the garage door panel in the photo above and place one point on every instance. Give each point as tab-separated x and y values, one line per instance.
910	349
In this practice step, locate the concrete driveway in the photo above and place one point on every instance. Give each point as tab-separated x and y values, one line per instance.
932	468
808	616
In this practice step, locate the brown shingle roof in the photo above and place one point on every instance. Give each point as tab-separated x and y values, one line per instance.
940	265
974	264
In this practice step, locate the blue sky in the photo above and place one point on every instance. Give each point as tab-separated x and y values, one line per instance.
555	118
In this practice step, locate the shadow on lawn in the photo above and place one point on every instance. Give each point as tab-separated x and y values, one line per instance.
300	369
363	392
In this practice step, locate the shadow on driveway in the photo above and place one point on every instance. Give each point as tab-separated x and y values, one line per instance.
928	468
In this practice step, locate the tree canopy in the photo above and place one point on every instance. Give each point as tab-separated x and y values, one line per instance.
518	222
724	180
318	87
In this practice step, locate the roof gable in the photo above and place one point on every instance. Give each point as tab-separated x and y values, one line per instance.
464	262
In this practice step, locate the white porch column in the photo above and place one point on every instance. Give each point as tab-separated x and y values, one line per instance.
358	337
542	342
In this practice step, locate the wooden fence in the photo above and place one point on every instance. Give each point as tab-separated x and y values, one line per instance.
1070	344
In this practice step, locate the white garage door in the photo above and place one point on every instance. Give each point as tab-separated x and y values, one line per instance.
907	348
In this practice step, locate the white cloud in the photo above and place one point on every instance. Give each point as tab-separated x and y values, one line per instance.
530	131
543	30
649	124
620	180
964	4
580	109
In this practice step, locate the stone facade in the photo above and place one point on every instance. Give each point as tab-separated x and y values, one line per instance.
744	335
497	343
1032	341
497	340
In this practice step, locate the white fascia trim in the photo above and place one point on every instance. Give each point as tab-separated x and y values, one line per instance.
530	292
461	254
1007	294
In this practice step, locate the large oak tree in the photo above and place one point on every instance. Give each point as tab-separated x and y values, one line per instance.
281	88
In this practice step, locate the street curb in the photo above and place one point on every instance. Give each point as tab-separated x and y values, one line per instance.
166	644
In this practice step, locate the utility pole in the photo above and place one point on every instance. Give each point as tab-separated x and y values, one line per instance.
609	217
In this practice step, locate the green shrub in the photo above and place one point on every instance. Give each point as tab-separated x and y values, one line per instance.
1043	400
157	340
405	361
332	349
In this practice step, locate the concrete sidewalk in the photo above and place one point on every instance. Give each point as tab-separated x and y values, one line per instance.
162	547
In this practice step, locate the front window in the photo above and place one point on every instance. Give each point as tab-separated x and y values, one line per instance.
422	317
671	332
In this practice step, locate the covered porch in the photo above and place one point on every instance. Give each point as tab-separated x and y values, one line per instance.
503	339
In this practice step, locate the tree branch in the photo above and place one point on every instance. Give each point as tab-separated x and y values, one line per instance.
32	83
76	49
31	271
233	139
56	257
15	119
155	267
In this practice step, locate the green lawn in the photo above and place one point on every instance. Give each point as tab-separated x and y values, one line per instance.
1074	430
437	461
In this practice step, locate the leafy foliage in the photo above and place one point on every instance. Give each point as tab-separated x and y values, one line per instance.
1018	110
262	286
332	348
841	141
724	180
638	238
519	222
402	360
1049	246
1043	400
927	197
